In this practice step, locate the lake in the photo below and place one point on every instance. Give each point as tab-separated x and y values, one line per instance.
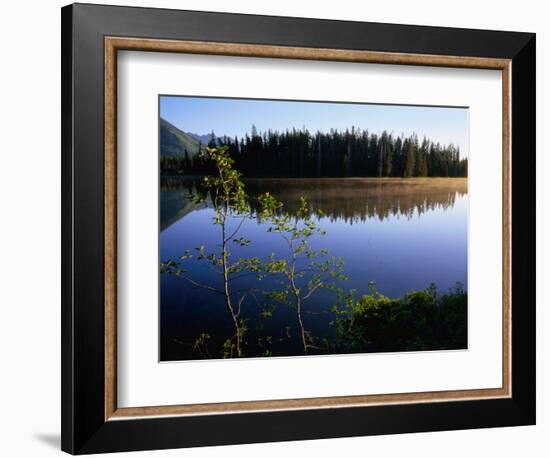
402	234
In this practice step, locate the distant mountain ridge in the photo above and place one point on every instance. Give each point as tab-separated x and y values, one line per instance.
204	139
175	142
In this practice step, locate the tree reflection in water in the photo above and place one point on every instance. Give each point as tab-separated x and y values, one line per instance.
340	199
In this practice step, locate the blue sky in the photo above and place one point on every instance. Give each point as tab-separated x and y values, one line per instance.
234	117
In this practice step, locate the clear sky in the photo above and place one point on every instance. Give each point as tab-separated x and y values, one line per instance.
234	117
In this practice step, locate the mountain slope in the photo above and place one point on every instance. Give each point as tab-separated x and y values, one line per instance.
174	142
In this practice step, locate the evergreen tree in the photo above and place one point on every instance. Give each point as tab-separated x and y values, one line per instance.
355	152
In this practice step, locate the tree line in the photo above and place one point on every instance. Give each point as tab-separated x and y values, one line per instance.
354	152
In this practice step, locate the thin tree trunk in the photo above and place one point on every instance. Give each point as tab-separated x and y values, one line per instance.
298	308
228	303
301	324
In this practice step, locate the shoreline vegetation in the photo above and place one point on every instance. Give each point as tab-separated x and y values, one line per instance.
301	153
418	320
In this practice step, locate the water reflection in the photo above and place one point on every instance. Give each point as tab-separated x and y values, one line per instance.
400	234
352	200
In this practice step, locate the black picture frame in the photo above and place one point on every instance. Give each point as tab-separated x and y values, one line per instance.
84	428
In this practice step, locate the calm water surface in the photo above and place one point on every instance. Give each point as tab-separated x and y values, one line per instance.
401	234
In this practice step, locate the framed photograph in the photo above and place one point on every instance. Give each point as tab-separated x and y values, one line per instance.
284	228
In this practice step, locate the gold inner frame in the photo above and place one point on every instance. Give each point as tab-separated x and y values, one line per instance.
114	44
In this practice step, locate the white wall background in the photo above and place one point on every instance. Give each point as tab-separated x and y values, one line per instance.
30	229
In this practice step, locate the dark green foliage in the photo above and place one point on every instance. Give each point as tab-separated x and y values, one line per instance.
420	320
355	152
453	323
